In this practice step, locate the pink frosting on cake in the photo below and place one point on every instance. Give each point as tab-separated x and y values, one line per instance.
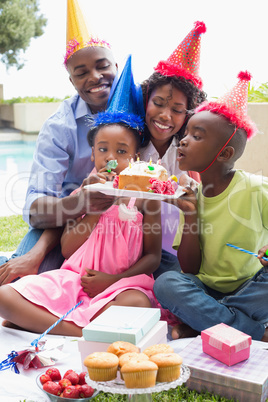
162	187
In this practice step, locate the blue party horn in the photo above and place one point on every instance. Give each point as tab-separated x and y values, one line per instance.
246	251
35	341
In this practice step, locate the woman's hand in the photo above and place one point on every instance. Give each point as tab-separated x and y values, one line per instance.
96	282
262	253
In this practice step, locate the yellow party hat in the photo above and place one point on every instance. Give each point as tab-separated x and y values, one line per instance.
77	35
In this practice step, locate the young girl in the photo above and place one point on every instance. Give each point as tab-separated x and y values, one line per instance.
111	252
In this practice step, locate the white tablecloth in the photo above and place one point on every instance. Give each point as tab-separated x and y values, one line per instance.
15	387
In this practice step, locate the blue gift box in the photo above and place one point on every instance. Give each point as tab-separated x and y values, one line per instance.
119	323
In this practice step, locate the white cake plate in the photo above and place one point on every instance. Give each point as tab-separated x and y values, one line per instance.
107	189
117	386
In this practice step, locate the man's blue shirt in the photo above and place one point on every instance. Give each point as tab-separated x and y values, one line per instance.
62	155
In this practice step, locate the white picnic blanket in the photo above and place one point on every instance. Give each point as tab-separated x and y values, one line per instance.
15	387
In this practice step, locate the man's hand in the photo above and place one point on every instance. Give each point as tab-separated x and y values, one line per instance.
96	201
96	282
18	267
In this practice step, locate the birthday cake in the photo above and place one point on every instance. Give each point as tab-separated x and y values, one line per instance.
138	176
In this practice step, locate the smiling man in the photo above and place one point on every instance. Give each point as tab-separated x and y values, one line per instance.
61	157
61	160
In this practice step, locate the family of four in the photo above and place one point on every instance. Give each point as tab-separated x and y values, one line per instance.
87	246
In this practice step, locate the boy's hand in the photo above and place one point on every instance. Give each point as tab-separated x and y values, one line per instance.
96	282
187	202
186	181
262	253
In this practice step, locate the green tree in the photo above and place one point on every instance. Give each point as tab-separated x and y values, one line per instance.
20	21
259	94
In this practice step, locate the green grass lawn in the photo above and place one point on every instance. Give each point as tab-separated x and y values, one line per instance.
12	230
179	394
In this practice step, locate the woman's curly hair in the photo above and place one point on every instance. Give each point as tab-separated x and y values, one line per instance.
194	96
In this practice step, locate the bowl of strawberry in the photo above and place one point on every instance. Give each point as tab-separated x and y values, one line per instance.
68	387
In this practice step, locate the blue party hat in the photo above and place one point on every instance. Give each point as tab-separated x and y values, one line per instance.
126	103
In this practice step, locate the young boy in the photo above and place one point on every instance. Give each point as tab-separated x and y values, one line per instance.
61	160
219	283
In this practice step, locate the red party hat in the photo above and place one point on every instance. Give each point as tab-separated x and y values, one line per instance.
233	105
185	60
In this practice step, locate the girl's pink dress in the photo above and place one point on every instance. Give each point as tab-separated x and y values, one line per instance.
113	246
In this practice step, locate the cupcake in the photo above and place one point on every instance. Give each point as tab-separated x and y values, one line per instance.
139	374
169	366
101	366
160	348
120	347
126	357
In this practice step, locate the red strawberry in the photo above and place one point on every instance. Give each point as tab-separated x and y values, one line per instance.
44	378
52	388
82	378
54	374
64	383
71	392
86	391
73	377
67	372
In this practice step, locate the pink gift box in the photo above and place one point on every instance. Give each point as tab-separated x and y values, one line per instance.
226	344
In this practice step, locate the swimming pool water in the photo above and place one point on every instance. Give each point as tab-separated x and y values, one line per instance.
15	166
19	153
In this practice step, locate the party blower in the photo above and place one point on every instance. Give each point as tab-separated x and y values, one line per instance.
36	355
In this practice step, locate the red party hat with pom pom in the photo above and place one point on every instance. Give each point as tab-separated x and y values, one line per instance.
233	105
185	60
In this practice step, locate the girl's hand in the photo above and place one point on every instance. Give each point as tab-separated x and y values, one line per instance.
96	282
261	253
109	176
95	178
